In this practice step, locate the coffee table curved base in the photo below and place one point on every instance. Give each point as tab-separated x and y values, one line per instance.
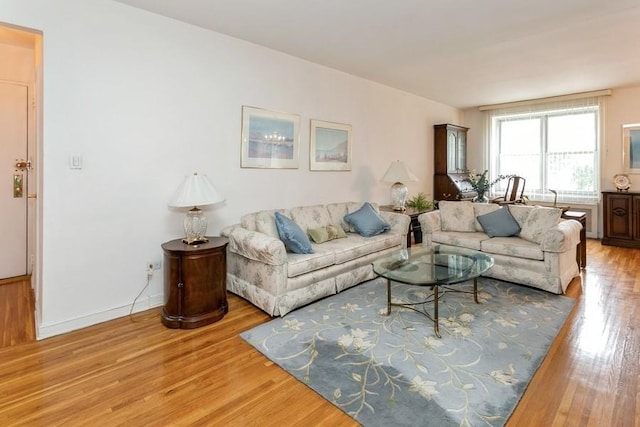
436	296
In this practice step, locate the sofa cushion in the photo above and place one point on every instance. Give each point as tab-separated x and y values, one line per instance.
520	213
310	216
265	222
457	216
356	246
499	223
512	246
337	212
482	209
324	234
367	222
305	263
538	222
462	239
294	239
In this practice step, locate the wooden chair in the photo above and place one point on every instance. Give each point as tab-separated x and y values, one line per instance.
514	192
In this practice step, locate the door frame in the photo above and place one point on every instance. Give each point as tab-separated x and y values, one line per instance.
34	153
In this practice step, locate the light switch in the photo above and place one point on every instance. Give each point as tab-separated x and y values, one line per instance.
75	161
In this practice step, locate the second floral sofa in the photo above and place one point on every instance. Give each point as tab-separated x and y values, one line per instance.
538	250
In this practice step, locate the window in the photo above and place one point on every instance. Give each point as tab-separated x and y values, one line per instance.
553	146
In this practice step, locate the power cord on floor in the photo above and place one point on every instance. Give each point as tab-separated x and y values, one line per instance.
149	276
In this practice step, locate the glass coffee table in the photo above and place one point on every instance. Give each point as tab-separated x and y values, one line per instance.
439	267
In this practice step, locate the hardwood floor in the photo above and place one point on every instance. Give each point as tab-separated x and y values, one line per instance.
17	320
135	372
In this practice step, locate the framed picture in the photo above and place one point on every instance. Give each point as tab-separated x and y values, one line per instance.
330	148
269	139
631	148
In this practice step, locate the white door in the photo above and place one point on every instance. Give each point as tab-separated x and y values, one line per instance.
13	179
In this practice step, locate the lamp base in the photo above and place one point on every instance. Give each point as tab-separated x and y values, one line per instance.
195	227
195	240
399	193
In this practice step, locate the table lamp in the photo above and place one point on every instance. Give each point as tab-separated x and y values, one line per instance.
196	190
397	174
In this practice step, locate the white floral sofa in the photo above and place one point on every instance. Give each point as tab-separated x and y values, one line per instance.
260	269
541	254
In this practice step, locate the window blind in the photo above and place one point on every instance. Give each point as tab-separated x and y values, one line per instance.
554	145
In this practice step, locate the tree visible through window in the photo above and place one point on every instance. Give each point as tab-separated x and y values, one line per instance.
553	148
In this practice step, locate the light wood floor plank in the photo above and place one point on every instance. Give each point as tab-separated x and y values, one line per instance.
135	372
17	318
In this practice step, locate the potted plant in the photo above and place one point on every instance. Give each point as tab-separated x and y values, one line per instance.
481	184
420	202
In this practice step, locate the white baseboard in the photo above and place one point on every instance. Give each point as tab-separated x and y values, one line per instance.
47	330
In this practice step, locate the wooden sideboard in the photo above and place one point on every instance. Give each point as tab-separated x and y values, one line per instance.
621	219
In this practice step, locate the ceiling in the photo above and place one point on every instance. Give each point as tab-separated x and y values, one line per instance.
463	53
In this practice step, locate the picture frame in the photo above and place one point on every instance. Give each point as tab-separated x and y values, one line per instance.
270	139
330	146
631	148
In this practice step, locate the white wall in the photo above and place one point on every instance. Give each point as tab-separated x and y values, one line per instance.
146	100
622	107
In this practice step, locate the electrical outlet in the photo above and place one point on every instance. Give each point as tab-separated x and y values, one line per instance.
155	265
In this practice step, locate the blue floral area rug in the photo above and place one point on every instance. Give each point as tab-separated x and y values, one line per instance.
392	370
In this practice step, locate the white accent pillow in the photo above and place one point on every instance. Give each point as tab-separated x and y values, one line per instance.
538	222
457	216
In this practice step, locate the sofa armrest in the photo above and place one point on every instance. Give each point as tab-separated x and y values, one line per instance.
430	222
399	222
226	231
562	237
255	245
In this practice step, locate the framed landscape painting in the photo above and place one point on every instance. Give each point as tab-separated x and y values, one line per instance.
330	147
269	139
631	148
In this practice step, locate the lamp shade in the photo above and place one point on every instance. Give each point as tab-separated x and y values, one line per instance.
398	172
196	190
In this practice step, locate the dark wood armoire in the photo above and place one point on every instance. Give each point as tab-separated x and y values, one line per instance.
450	163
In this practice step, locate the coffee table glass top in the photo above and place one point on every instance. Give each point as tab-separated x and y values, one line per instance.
432	265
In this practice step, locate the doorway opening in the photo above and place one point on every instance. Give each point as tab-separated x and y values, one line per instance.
20	182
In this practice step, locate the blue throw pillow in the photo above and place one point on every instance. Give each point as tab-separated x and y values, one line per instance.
499	223
367	221
294	239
